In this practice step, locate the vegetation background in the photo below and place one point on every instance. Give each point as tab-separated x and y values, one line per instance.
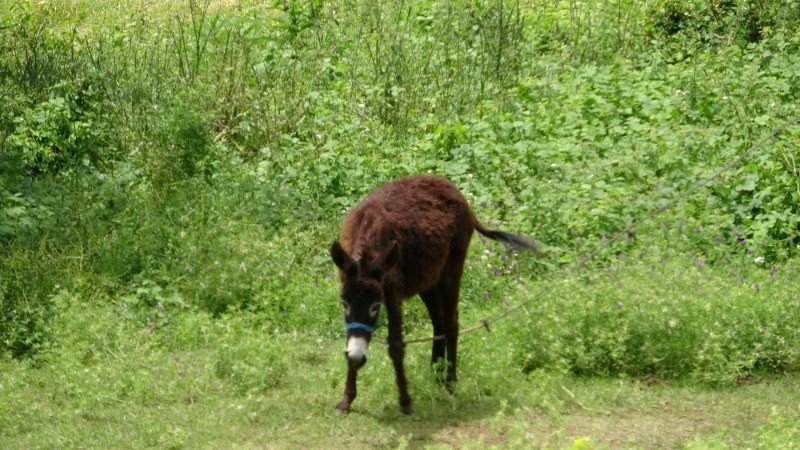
172	173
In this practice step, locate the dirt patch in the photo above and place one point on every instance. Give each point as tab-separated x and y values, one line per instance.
650	430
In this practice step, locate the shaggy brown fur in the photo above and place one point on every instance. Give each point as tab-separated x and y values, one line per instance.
405	238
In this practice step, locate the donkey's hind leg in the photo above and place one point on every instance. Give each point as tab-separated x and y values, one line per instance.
448	289
433	303
450	309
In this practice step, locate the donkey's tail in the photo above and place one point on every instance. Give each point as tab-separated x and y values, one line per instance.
517	242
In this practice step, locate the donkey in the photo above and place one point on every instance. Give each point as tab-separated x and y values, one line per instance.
405	238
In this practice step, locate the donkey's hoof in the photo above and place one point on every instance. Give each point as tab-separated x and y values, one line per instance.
342	408
405	409
450	383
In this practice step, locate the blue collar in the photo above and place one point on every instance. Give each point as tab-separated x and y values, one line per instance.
359	326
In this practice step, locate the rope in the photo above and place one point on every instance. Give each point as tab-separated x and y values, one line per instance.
485	322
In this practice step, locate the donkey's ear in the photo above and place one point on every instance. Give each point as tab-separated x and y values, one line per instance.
391	258
342	260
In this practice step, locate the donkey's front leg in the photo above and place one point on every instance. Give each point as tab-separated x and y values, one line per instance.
396	352
349	390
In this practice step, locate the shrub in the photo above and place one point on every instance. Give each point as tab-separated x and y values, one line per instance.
662	317
25	304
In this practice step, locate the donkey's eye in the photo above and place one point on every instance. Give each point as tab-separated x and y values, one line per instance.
346	307
374	309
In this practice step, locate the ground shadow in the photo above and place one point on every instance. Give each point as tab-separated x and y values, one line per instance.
439	417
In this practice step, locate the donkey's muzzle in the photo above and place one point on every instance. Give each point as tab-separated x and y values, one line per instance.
356	352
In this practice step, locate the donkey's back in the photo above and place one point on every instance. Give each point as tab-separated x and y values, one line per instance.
426	216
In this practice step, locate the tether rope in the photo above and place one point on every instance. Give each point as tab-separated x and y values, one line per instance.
485	322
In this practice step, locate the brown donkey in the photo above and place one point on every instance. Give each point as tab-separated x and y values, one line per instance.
407	237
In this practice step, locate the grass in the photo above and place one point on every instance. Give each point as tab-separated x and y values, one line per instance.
174	399
192	380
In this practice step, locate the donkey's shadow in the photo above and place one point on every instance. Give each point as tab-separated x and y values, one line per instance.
432	427
440	417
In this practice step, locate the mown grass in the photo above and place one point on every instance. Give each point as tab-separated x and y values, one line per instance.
171	176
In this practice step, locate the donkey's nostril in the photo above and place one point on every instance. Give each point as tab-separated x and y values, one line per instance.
356	363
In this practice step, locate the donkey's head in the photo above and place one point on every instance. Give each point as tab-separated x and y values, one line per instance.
362	295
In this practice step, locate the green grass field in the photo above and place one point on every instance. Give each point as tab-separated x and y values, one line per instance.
172	175
238	382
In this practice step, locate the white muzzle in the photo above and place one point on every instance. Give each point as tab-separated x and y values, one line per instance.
357	348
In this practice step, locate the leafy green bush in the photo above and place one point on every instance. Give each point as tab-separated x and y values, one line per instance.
201	159
25	305
36	53
21	215
656	316
183	145
746	21
61	133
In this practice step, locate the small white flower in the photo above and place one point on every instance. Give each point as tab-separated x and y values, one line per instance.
759	260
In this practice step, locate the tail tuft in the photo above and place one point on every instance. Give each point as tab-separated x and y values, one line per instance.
517	242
